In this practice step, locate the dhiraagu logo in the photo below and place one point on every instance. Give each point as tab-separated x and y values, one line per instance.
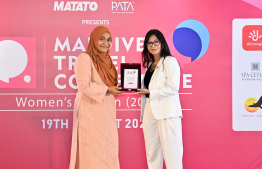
190	41
252	37
17	62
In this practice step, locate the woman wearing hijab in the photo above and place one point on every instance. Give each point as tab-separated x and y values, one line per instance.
95	137
161	111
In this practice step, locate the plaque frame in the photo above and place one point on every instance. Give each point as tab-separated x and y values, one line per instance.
124	66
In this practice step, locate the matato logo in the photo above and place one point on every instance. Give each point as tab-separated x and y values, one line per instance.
252	104
75	6
252	37
123	7
190	41
17	62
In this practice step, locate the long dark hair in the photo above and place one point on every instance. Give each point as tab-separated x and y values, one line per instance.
147	57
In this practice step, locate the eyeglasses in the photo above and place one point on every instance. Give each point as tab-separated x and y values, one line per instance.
156	43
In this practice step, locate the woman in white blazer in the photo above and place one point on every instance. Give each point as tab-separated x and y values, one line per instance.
160	105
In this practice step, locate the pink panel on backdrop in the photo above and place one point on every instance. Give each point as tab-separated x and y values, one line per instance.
39	137
256	3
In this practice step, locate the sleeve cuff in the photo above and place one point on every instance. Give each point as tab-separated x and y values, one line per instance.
101	94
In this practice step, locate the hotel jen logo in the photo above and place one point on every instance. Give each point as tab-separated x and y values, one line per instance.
252	38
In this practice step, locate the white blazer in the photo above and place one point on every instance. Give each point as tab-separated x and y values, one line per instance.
163	87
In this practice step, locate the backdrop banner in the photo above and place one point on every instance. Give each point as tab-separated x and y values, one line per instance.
218	45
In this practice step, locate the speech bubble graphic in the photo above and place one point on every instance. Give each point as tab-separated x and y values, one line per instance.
13	59
189	41
191	38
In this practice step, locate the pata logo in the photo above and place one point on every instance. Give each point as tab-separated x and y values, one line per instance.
122	7
75	6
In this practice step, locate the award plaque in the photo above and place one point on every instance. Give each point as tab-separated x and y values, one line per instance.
130	76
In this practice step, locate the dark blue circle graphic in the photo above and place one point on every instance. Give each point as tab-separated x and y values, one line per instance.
187	42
